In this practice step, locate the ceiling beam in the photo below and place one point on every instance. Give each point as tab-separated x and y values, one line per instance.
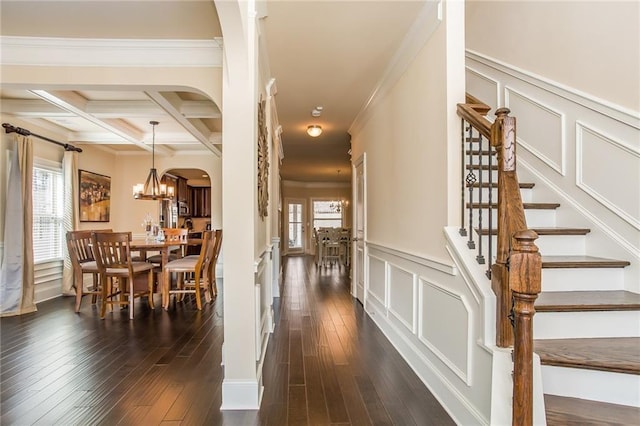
107	109
171	103
76	104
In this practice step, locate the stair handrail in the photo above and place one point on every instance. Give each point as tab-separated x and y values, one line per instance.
517	271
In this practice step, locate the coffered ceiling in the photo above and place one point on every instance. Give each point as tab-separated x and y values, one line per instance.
321	53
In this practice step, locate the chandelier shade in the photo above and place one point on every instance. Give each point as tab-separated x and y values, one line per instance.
152	188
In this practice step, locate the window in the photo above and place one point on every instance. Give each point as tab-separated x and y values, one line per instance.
48	199
327	214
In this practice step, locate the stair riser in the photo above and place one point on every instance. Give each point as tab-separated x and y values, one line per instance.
615	388
552	245
535	218
562	325
526	194
585	279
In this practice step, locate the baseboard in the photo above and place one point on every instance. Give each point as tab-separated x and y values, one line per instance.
241	395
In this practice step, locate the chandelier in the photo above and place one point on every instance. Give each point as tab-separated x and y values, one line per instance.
152	188
336	206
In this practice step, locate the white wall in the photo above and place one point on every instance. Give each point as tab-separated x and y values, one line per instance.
591	46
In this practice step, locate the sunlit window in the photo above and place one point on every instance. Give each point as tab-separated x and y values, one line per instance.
48	196
327	214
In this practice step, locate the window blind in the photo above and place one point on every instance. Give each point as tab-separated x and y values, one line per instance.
48	198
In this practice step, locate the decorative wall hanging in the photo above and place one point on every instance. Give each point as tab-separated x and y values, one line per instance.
263	162
95	197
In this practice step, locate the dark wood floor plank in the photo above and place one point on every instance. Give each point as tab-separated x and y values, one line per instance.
316	402
326	363
297	413
296	360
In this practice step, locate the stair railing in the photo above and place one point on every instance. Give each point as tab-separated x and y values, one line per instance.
516	273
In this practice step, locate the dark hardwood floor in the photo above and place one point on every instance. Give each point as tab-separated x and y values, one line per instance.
326	363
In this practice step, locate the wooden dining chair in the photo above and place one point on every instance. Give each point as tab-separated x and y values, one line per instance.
199	266
212	266
113	257
83	262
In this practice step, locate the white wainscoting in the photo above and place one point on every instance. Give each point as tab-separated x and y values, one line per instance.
434	319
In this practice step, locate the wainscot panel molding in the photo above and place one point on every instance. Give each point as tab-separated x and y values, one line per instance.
592	146
418	291
403	297
451	344
110	52
423	27
543	133
378	281
485	87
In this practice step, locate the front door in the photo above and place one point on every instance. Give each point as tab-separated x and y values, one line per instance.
294	226
360	228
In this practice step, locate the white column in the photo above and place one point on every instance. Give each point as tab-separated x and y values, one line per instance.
241	388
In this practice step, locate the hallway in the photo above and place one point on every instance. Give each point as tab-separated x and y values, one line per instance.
326	363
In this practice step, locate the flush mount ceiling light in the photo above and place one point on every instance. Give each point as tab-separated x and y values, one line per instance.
314	130
152	189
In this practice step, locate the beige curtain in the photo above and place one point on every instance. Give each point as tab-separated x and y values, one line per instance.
70	217
17	284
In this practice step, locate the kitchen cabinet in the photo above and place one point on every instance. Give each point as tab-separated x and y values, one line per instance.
184	193
200	201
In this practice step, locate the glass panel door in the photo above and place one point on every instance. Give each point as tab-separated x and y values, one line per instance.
295	226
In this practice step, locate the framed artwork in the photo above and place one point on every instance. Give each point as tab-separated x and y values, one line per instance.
95	197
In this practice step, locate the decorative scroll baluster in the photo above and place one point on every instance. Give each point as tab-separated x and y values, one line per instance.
470	180
463	231
480	256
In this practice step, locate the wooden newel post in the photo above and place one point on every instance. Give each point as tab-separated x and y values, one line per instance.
525	273
501	130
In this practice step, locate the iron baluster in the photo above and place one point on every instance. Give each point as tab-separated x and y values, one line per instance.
480	256
463	231
470	180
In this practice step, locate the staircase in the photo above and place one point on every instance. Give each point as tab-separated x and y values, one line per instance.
586	326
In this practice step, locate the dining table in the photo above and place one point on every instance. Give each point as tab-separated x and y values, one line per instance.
164	247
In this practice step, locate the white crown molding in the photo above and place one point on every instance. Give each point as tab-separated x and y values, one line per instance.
89	52
297	184
421	30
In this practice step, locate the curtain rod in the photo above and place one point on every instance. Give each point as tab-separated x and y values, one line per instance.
24	132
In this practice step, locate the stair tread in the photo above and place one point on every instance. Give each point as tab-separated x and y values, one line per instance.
548	231
523	185
556	262
533	206
580	301
614	354
562	410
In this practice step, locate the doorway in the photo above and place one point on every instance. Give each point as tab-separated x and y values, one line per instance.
295	219
359	225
